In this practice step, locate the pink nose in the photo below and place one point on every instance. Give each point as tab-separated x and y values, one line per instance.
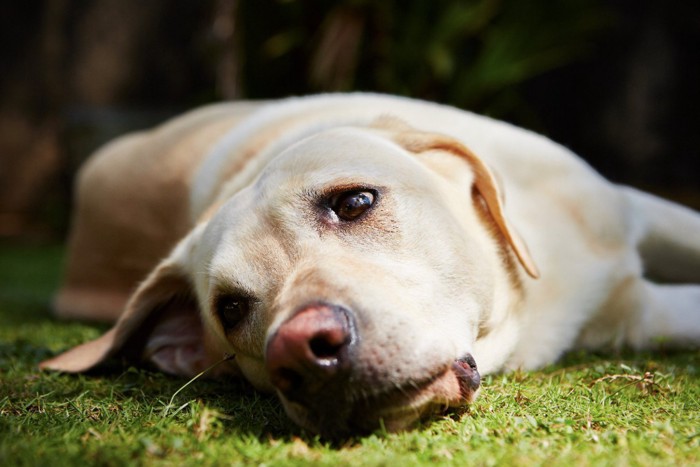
310	351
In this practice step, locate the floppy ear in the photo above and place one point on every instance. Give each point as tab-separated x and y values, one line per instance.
484	184
161	325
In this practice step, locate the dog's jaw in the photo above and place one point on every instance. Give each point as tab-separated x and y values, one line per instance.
392	410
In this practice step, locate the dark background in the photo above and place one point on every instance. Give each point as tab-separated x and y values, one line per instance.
617	81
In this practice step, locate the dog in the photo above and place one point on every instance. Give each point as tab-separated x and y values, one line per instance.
359	254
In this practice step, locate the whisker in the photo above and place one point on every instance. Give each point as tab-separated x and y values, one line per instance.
226	358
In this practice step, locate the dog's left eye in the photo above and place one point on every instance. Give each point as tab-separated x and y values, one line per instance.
352	204
231	310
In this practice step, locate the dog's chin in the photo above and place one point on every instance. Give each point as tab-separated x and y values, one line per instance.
401	408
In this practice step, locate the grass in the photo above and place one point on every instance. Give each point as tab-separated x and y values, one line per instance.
627	409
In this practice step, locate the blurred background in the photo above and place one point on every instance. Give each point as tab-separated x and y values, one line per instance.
617	81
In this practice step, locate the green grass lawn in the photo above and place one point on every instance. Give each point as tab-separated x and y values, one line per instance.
625	409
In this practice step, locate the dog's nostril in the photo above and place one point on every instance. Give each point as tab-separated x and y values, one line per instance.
324	349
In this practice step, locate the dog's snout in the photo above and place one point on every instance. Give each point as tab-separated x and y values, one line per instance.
310	350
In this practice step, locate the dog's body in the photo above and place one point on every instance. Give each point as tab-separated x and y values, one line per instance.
354	251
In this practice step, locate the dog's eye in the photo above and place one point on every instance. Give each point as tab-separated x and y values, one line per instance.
352	204
232	309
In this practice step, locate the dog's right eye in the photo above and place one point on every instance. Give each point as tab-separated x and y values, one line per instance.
231	310
350	205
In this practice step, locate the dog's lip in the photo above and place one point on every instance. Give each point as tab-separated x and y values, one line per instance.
468	376
449	387
395	408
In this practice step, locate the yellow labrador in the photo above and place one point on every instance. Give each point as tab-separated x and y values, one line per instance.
359	254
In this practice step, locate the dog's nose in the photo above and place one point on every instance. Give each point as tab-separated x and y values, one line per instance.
310	351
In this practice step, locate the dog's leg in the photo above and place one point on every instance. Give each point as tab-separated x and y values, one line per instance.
668	237
644	315
668	315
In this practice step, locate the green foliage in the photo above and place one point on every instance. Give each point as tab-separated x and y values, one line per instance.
473	54
589	409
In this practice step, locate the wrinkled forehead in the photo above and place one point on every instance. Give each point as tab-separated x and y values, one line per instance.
341	156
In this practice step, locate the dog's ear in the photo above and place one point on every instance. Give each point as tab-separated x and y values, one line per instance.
160	325
485	184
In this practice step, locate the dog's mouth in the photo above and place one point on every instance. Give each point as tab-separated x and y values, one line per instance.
360	411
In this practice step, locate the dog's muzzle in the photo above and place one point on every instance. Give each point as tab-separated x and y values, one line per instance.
310	360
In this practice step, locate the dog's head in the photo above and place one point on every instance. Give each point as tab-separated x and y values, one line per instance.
352	277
